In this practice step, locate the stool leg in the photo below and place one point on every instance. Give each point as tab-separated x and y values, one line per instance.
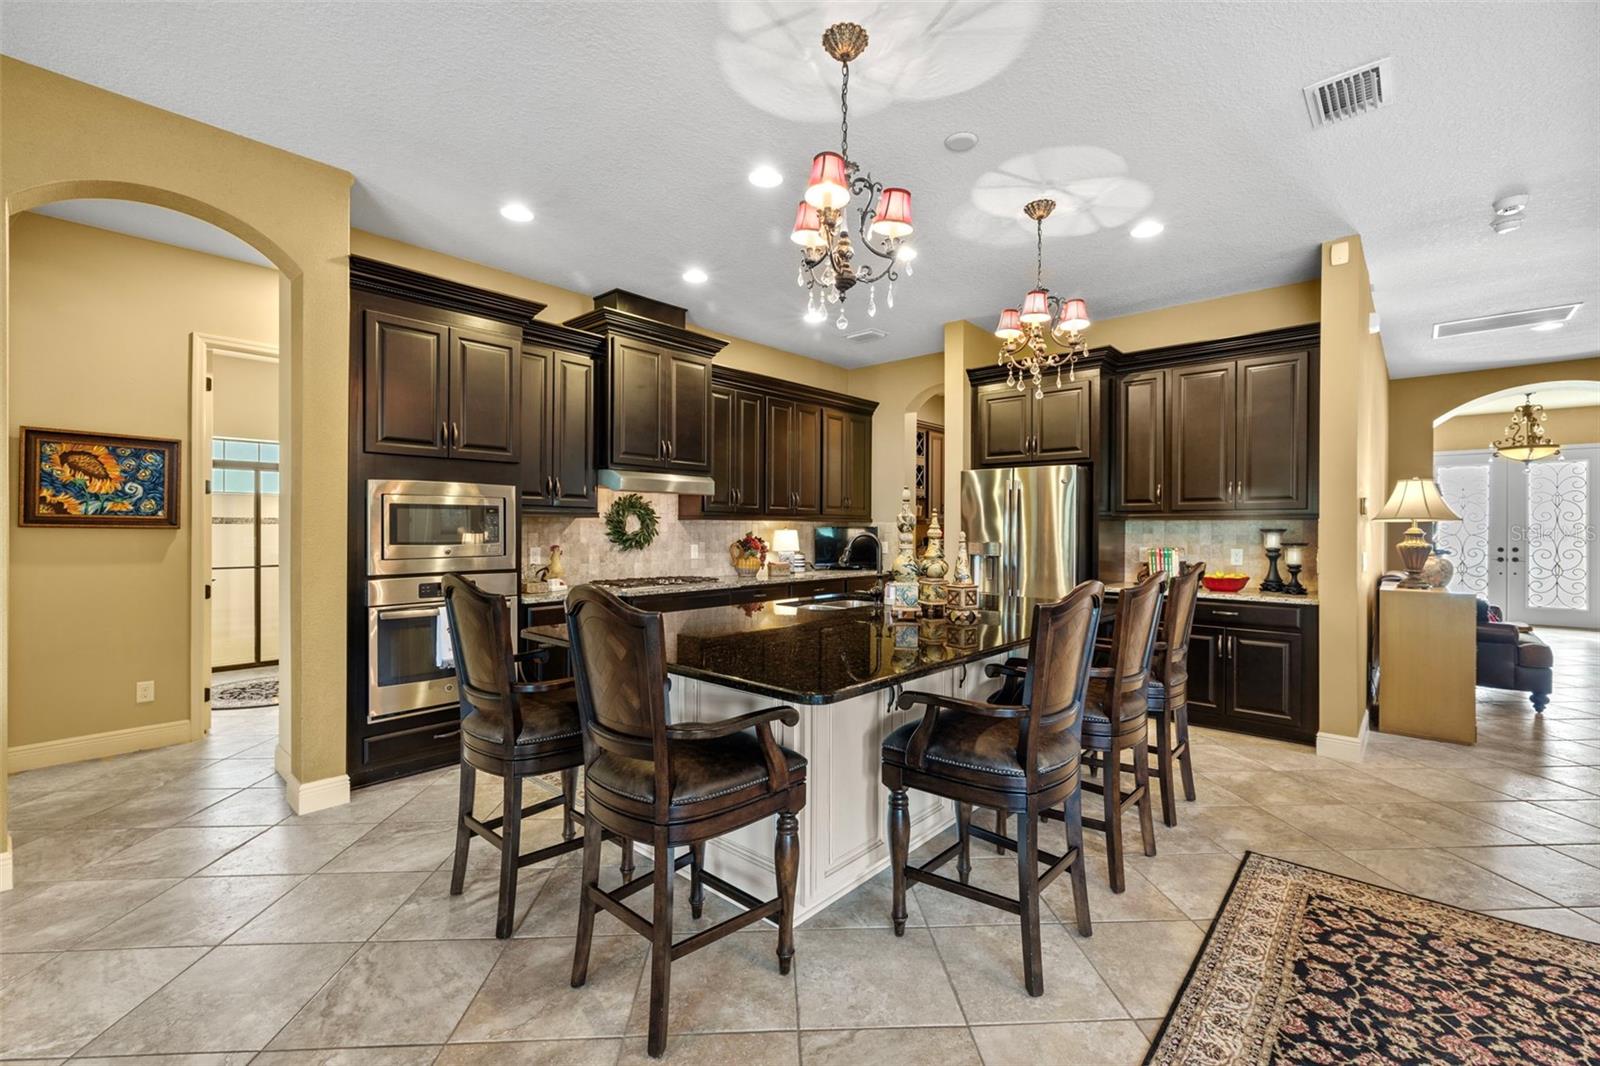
586	906
469	788
786	860
697	888
1169	802
1028	897
899	851
1073	816
569	797
510	849
626	867
660	945
1181	714
1141	779
1111	794
964	834
1000	819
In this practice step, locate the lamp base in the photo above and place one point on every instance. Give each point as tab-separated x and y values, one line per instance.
1414	551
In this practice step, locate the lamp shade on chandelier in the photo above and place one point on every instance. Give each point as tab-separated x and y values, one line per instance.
838	185
1025	334
1526	440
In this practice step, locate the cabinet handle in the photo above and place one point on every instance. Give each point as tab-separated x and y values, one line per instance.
558	486
1226	614
671	449
548	490
1158	493
444	434
455	430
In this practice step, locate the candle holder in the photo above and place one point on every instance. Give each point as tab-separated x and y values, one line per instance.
1272	541
1294	560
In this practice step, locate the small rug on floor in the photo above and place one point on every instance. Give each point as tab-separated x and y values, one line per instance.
1303	966
237	695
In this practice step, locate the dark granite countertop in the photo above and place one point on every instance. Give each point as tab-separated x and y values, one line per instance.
816	654
720	581
1247	594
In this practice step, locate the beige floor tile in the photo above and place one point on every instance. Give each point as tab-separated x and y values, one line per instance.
1438	784
199	910
946	908
1559	878
746	1049
1519	784
49	917
232	773
870	907
1333	862
1557	920
1242	829
176	852
389	848
1440	826
1584	778
233	999
1141	901
985	967
158	808
1437	874
1269	788
213	1058
700	1001
286	849
529	994
948	1046
59	809
402	993
13	965
1196	883
1114	1043
841	975
1143	962
57	1008
1587	853
1585	810
249	806
1532	822
531	1053
432	913
325	908
1346	826
64	854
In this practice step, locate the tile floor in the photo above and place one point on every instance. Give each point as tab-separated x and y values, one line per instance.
169	906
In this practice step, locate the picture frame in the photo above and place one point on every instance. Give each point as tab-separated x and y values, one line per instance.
88	479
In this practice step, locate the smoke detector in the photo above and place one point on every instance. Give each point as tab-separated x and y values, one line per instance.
1509	213
1355	92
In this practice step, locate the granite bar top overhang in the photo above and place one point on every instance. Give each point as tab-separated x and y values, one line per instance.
1247	595
729	581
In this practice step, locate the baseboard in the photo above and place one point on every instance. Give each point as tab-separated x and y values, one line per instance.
5	866
281	761
97	745
1346	749
310	796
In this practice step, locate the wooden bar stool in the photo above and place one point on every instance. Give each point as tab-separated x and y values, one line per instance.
1168	693
512	729
673	785
1022	758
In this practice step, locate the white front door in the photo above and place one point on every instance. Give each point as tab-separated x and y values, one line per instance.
1526	541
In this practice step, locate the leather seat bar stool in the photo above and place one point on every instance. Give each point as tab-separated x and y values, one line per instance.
1021	757
673	785
512	729
1168	692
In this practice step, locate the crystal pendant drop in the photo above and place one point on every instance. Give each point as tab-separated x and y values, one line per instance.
910	270
872	302
833	296
800	276
891	296
842	322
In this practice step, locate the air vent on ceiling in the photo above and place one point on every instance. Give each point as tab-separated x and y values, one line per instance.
866	336
1462	327
1355	92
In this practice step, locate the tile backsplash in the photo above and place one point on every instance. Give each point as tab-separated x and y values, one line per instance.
588	555
1212	542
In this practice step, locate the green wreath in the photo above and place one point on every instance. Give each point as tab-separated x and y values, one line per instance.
631	506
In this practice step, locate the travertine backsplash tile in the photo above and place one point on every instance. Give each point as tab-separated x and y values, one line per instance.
588	555
1211	542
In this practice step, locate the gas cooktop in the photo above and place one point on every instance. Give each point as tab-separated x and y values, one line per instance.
647	582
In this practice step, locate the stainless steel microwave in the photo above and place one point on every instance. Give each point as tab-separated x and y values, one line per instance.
432	527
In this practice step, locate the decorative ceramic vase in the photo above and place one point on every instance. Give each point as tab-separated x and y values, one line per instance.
1438	570
905	560
961	593
556	568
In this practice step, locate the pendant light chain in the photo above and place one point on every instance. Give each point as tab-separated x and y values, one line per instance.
844	113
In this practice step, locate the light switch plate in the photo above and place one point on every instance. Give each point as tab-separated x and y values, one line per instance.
144	692
694	551
1236	557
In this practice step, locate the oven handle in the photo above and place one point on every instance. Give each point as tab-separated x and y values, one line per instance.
407	612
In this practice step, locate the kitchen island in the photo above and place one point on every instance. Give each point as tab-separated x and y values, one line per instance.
843	663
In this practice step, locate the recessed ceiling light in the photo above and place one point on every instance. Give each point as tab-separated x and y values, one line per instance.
765	177
1546	327
515	212
695	276
1146	229
963	141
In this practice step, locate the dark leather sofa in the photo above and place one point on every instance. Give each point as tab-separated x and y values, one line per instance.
1511	659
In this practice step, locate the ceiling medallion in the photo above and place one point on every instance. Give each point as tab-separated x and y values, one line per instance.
821	224
1024	347
1525	440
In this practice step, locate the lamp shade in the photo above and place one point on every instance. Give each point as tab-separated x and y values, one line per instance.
786	540
829	186
1074	316
807	227
1010	327
894	215
1416	499
1036	307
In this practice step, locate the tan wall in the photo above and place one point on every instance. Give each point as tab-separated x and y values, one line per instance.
244	392
100	323
62	139
900	389
1566	425
932	412
1352	475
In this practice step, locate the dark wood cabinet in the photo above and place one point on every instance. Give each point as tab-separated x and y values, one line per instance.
858	503
737	448
1252	668
558	421
1272	465
686	418
1200	424
1013	427
485	395
1002	426
846	464
1140	441
794	457
638	374
1264	673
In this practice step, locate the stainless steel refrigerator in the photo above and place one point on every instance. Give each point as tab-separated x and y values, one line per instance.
1027	529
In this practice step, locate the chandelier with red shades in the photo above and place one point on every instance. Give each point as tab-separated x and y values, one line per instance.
828	270
1025	334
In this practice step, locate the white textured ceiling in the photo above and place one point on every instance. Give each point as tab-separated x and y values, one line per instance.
630	128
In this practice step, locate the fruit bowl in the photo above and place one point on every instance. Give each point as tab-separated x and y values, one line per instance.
1225	582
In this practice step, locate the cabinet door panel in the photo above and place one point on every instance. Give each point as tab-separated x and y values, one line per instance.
1201	449
406	384
780	456
537	367
724	461
688	413
638	431
835	461
1273	432
485	397
749	450
1004	425
1063	423
572	438
1207	682
859	501
1141	447
807	456
1264	673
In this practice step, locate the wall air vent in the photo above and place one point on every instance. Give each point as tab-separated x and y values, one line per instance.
1529	319
866	336
1355	92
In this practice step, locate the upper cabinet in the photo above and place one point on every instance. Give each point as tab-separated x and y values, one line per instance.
1013	427
794	457
1274	432
558	419
737	425
1139	445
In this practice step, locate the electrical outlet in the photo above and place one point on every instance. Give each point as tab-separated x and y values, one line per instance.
694	551
144	692
1236	557
535	555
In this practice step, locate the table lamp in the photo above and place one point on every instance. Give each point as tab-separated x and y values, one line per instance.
786	545
1415	499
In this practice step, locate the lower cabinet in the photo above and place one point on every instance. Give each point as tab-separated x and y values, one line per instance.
1253	669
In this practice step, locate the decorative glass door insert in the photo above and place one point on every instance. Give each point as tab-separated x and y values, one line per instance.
244	553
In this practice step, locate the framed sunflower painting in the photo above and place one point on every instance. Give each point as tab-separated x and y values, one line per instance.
96	479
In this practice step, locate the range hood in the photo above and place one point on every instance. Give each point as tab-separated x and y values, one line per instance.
656	481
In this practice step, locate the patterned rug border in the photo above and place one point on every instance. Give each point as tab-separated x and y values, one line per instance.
221	702
1227	898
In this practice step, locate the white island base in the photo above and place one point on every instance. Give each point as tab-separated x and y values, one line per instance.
844	837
